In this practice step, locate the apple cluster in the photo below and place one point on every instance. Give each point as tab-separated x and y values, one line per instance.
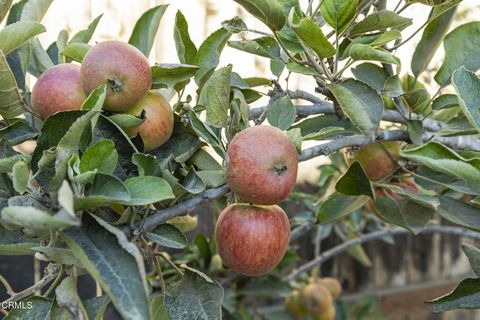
128	78
252	236
315	300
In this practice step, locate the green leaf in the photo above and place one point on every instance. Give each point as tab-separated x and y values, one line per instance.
67	297
459	52
146	28
35	10
105	190
360	103
40	61
76	50
459	213
125	121
168	75
371	74
59	255
432	37
16	34
54	128
365	52
295	135
181	146
338	205
169	236
442	159
465	296
147	164
184	223
4	8
431	2
218	97
267	11
35	219
40	309
11	104
84	36
8	157
68	146
282	113
114	262
102	156
235	25
311	34
380	21
202	295
206	133
354	182
473	255
208	55
265	47
186	50
106	129
12	244
406	213
20	176
467	85
18	132
323	133
339	13
146	190
96	307
445	101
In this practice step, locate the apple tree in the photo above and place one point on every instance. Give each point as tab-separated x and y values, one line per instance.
118	172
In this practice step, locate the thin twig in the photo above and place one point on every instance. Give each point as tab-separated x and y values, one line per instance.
373	236
55	282
51	273
7	286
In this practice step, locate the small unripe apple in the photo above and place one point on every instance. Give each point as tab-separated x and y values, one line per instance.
378	160
332	285
317	299
328	314
58	89
252	239
262	165
295	305
157	127
123	68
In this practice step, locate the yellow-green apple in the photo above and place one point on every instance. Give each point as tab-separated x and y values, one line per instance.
378	160
123	68
157	127
58	89
262	165
252	239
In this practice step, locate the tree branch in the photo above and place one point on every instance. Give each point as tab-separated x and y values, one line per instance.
163	215
374	236
328	148
321	107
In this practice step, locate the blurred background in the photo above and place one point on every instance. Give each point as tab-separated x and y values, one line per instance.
401	276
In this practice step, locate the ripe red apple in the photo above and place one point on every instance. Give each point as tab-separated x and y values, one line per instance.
158	125
262	165
252	239
123	68
58	89
378	160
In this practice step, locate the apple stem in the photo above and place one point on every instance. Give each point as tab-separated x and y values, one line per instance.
115	85
280	168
